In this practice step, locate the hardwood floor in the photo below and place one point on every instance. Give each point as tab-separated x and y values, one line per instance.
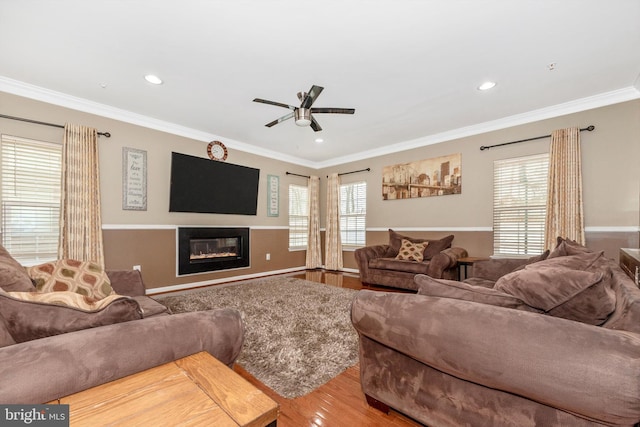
340	402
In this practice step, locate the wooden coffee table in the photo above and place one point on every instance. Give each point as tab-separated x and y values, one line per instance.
192	391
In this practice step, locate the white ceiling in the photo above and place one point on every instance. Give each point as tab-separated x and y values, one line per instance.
409	68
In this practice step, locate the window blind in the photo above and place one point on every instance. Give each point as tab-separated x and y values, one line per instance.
519	205
30	198
298	216
353	213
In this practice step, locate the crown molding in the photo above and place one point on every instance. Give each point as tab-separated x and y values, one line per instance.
601	100
52	97
37	93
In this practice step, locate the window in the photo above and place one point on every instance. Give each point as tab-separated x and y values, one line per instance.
30	198
353	213
298	216
519	205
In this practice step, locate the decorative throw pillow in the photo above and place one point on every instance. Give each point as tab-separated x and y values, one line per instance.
442	288
33	315
83	277
410	251
435	245
13	276
581	261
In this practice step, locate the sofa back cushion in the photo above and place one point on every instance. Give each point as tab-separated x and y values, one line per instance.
565	287
5	336
33	315
434	247
442	288
13	276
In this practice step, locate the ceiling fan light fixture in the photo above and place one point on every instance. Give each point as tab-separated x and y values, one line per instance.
303	116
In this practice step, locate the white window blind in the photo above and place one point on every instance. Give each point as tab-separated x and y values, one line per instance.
298	216
353	213
519	205
30	198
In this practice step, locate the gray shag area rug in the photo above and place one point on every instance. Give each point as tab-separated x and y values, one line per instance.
298	334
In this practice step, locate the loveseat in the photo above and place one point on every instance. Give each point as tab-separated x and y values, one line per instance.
554	342
57	343
396	263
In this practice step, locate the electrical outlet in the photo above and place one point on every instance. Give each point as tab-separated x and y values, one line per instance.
137	267
268	257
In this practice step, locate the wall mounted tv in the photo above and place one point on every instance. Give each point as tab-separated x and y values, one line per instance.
209	186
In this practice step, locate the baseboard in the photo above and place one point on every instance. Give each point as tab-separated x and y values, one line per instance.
193	285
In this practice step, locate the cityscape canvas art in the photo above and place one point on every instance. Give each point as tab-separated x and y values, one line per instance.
438	176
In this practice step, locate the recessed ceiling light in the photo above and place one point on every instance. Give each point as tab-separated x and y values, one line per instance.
153	79
319	140
486	85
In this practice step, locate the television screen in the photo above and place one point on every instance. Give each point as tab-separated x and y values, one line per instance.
209	186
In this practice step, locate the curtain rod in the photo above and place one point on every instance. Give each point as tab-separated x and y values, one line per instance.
107	134
348	173
486	147
302	176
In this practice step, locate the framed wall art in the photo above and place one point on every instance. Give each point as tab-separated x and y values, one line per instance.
438	176
134	179
273	195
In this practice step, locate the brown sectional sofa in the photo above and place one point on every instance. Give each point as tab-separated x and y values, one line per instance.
379	264
48	350
554	342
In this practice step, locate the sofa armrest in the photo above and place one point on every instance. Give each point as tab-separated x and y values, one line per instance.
445	260
364	255
127	282
45	369
568	365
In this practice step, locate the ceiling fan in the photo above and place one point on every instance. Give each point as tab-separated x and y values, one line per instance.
304	113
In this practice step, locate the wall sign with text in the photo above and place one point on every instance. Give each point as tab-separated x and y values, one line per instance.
134	179
273	195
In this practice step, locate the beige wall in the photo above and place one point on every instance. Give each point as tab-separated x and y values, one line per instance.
611	180
147	238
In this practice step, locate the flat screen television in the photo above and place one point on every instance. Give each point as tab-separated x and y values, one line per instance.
209	186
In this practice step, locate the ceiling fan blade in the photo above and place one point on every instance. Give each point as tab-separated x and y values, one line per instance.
278	104
281	119
311	96
333	110
314	125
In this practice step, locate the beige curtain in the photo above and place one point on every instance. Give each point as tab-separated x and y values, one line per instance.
565	215
314	250
80	218
333	244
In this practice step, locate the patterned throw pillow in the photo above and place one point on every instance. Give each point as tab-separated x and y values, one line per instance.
410	251
82	277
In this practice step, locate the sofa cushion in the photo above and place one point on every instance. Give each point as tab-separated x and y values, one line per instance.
594	305
33	315
5	336
435	245
410	251
565	247
13	276
464	291
399	265
83	277
565	287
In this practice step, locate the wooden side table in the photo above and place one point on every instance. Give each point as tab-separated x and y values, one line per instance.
194	390
466	262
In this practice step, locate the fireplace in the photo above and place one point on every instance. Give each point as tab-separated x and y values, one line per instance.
204	249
